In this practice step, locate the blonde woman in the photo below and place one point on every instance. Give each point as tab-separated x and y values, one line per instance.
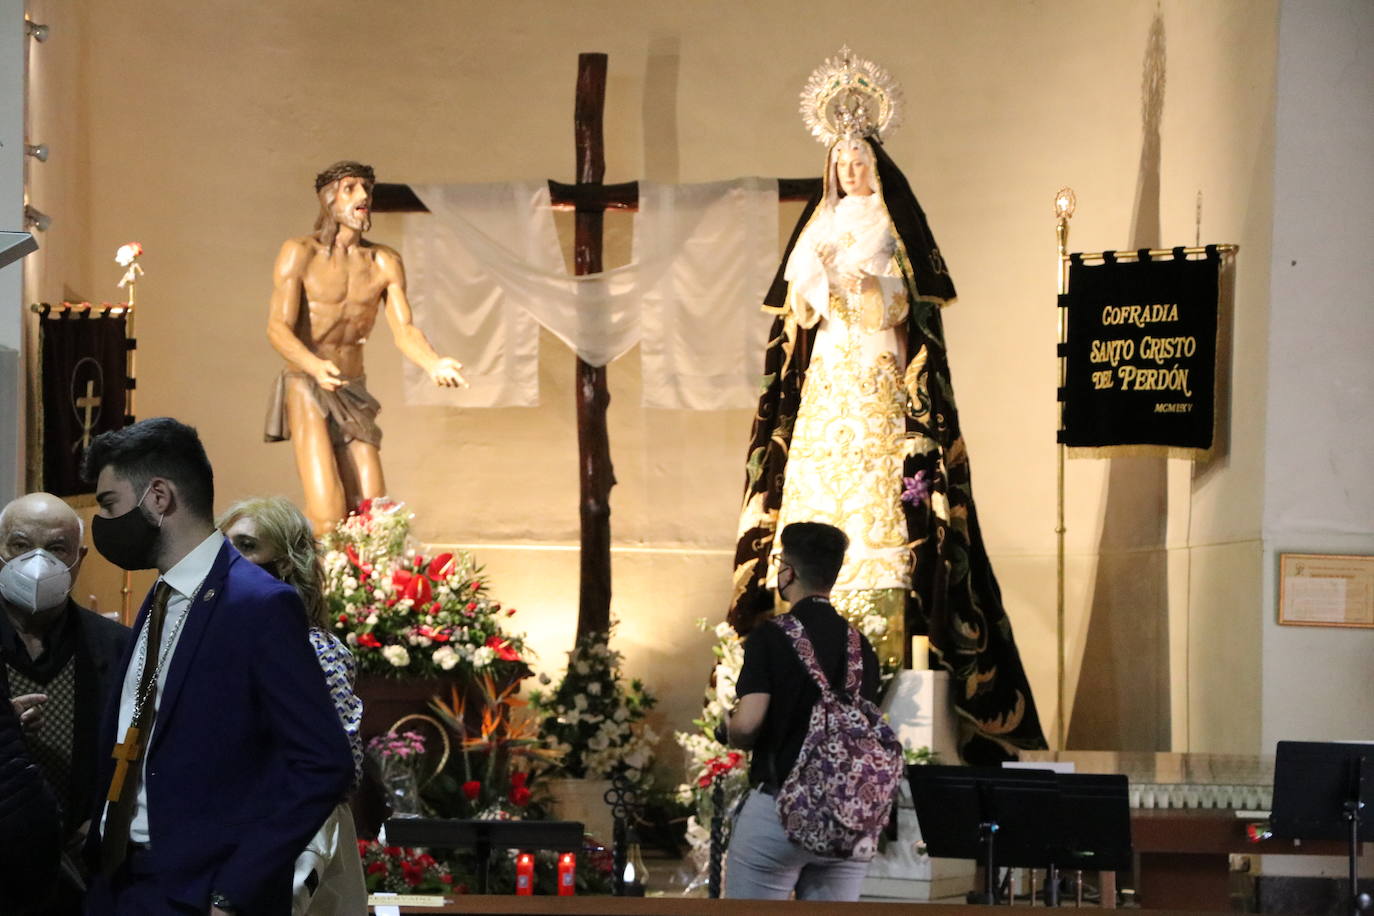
274	535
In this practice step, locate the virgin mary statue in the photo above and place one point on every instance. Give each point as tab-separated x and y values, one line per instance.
857	426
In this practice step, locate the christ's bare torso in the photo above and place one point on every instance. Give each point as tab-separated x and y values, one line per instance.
341	292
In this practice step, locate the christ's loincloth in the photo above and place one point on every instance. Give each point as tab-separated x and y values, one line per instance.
350	411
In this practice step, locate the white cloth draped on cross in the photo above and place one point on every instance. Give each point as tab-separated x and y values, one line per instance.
486	270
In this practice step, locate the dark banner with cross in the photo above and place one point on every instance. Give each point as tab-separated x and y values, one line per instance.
82	352
1140	353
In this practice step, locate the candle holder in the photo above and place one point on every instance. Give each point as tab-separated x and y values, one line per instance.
630	874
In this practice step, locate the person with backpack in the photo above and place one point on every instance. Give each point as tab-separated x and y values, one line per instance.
824	766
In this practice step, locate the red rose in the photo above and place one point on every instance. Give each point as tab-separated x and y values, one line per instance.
439	566
472	606
377	868
447	879
435	608
365	506
343	618
520	796
472	788
519	778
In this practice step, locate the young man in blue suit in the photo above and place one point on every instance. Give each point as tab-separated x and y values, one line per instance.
222	751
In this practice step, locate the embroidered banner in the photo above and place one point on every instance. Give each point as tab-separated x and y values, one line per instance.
82	353
1140	354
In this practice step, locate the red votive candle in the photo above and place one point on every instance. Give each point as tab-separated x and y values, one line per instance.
524	875
567	875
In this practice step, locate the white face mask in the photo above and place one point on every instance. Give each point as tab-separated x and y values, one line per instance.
35	581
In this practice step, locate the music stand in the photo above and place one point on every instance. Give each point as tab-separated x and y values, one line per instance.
1095	816
1023	819
995	816
1323	791
484	836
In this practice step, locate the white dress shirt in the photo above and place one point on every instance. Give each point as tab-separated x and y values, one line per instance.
185	579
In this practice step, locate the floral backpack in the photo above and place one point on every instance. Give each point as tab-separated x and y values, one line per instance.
839	795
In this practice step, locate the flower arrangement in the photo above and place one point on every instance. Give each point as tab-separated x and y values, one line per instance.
592	722
399	757
406	746
394	868
408	615
489	779
712	761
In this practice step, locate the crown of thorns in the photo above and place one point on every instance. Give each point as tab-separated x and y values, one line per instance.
345	169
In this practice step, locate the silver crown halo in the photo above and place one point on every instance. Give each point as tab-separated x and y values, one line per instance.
849	96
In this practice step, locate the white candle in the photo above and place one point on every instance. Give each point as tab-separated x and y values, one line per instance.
920	653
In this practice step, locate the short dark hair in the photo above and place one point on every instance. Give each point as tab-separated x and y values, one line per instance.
159	447
815	551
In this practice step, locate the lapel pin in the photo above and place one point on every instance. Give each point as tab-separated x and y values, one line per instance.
209	594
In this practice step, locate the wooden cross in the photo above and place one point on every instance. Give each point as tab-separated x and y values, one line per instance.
590	198
126	752
89	401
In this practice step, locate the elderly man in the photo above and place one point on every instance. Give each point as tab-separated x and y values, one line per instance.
52	647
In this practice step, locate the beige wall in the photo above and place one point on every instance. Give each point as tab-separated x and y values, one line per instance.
196	129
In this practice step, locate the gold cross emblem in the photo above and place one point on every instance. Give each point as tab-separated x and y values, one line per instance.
126	752
88	403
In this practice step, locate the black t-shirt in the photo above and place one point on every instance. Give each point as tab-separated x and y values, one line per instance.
771	666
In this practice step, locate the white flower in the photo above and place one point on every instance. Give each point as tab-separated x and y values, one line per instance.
483	656
397	655
594	688
582	668
351	639
580	702
445	657
126	253
873	625
372	619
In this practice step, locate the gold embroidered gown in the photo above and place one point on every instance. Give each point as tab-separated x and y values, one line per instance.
844	467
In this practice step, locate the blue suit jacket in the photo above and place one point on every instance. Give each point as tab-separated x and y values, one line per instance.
247	757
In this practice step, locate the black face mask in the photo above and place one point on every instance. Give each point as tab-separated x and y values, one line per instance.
129	541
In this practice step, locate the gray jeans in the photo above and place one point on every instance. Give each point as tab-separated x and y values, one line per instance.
763	864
